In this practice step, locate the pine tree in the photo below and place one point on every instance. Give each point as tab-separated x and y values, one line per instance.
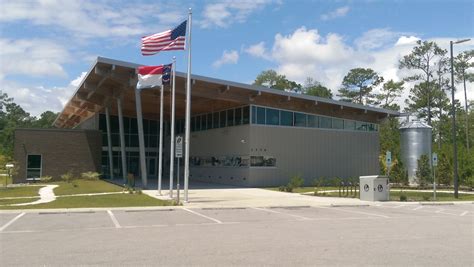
423	171
357	86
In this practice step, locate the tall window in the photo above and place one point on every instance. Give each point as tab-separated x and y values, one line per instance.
33	167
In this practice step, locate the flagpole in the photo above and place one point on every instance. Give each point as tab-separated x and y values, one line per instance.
160	156
172	129
188	113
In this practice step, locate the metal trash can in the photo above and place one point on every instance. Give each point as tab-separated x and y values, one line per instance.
374	188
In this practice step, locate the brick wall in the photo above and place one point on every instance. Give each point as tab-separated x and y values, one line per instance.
62	150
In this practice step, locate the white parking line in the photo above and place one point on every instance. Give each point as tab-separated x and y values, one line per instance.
464	213
114	220
361	212
287	214
12	221
202	215
417	208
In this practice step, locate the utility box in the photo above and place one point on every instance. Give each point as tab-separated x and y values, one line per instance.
374	188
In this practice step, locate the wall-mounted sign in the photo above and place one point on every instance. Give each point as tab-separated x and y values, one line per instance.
179	146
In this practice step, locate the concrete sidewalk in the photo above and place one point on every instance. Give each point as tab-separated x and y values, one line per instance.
253	197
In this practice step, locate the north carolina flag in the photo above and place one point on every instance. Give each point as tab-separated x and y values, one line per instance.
153	76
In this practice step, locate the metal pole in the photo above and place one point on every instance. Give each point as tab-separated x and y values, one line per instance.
141	139
188	113
173	90
122	140
177	180
453	129
434	183
160	149
109	142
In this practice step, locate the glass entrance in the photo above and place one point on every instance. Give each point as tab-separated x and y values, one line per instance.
151	166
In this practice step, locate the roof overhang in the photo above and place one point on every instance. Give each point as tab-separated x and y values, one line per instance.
109	79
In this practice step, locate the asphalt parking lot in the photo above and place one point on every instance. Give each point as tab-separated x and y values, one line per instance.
384	234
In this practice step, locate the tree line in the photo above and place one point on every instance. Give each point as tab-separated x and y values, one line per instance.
428	67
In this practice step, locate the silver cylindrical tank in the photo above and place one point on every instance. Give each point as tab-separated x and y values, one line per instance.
415	141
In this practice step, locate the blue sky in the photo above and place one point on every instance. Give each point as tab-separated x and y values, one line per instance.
46	46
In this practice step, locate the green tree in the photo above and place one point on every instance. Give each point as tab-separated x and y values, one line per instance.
444	170
462	63
45	120
315	88
358	84
389	93
423	171
423	58
272	79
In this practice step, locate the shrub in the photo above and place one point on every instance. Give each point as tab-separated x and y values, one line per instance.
295	182
403	197
282	188
67	177
423	171
91	176
46	179
426	198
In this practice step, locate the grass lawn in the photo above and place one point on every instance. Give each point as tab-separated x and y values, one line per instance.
416	196
85	187
102	201
16	201
20	191
2	180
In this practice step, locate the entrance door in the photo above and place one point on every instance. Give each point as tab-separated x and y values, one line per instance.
151	166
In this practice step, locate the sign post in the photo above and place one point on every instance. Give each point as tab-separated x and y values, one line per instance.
388	161
179	154
434	163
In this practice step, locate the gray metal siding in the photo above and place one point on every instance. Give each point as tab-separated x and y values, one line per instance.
229	141
312	153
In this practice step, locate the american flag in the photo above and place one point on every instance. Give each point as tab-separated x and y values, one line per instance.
174	39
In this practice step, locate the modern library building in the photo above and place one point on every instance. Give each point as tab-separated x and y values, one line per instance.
241	134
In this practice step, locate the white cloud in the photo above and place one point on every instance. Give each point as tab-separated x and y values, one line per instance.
407	40
258	50
305	53
223	13
338	13
32	57
228	57
37	99
85	19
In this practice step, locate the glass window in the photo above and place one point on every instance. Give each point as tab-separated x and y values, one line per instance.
273	116
372	127
313	121
230	117
337	124
154	127
193	122
33	167
262	161
286	118
349	125
238	116
215	120
222	118
102	123
115	140
260	115
361	126
209	121
146	127
325	122
114	124
254	114
133	126
245	115
300	119
198	123
153	141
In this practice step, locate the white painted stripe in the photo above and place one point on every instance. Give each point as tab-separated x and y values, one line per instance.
396	207
417	208
360	212
114	220
464	213
287	214
202	215
12	221
439	211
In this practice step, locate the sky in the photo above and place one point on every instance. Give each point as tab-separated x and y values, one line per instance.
47	46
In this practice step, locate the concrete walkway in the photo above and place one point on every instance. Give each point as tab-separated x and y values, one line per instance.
46	195
252	197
